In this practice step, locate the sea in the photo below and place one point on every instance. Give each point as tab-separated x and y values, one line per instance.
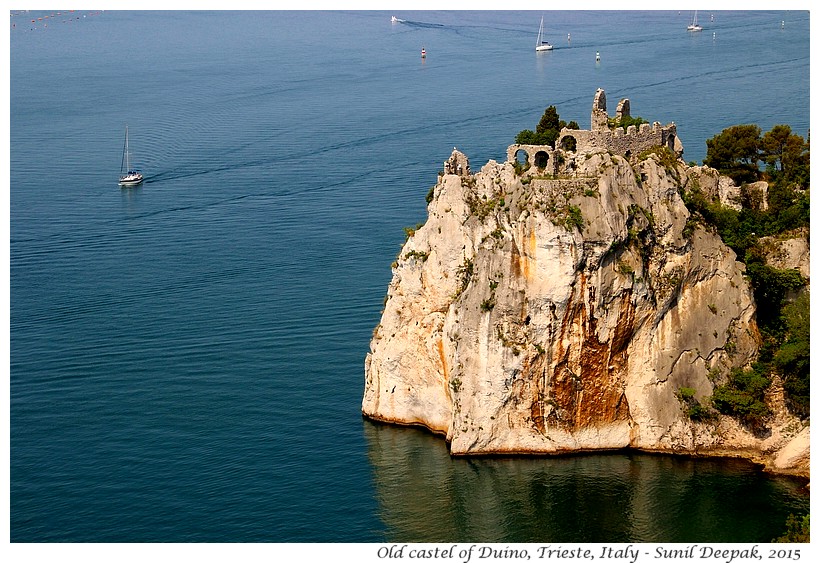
187	356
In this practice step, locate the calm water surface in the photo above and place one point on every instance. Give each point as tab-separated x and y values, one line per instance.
187	356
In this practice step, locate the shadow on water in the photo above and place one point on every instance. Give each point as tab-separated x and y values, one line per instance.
425	495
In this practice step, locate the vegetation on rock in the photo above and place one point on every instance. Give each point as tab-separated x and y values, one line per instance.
738	152
692	406
625	121
465	274
792	358
665	156
743	395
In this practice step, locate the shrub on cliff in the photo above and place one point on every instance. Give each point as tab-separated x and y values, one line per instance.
788	206
666	157
792	358
771	288
625	121
737	152
692	407
784	329
742	396
574	217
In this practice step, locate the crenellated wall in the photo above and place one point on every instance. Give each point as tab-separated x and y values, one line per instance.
624	143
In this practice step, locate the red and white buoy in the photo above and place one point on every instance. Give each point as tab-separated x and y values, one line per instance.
423	53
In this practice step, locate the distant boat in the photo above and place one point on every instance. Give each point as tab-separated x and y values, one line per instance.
128	177
694	25
540	43
394	19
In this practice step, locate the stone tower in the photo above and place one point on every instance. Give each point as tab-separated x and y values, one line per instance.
623	109
599	119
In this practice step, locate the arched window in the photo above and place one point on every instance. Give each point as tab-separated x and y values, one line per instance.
569	143
541	159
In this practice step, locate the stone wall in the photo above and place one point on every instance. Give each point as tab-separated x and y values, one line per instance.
624	143
543	158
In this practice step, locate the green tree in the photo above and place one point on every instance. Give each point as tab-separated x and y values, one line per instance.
549	127
795	161
786	155
771	286
773	145
526	137
735	152
547	131
549	121
788	206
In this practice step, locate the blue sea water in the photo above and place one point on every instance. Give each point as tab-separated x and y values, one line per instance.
186	357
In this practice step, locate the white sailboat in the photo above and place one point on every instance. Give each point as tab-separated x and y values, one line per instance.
540	43
694	25
128	177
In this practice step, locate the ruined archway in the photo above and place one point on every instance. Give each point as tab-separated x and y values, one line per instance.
521	161
569	143
541	159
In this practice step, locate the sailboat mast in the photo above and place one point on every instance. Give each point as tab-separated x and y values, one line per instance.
127	154
124	161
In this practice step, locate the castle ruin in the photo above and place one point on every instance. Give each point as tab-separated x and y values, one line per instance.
629	143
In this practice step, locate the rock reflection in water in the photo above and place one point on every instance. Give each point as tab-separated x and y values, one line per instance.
425	495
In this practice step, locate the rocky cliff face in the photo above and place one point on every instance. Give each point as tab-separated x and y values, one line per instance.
789	251
535	314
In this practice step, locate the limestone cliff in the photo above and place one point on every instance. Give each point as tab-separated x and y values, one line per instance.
537	313
789	251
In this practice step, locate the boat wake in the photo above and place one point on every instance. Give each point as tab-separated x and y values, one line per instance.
179	174
422	24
